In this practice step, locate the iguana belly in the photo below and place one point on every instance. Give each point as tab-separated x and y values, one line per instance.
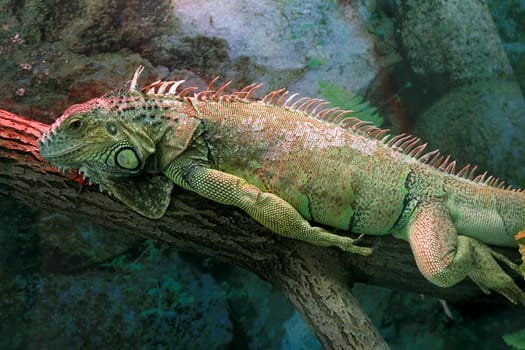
345	197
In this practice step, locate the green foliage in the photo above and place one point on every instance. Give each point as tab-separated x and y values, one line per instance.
516	339
315	63
341	98
232	292
375	26
146	299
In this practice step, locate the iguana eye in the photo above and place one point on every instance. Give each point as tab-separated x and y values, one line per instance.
111	128
74	125
127	158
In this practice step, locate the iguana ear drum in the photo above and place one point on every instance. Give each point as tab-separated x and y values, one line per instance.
126	158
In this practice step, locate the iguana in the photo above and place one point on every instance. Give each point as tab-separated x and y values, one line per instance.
289	162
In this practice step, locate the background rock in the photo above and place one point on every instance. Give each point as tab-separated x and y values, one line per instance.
508	17
482	121
289	43
452	42
156	301
476	113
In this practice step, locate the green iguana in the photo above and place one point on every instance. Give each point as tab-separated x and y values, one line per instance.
290	161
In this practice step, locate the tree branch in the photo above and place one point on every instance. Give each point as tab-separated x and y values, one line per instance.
317	280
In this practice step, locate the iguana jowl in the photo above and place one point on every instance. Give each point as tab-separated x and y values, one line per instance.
289	161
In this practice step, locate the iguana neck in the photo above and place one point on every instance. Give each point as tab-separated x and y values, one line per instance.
168	122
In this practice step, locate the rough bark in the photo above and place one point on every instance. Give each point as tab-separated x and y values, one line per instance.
317	280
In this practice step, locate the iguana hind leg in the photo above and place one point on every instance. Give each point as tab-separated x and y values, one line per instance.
445	258
267	208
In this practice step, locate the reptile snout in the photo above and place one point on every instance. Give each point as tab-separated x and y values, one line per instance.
45	142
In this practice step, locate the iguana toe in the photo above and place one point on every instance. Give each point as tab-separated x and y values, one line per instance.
350	246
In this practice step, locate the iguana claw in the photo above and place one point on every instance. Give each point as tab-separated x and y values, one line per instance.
352	248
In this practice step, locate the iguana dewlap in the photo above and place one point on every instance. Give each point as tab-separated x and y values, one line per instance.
289	162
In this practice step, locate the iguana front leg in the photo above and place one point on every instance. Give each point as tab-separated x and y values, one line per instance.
445	258
266	208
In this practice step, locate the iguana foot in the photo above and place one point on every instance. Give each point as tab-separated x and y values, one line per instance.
342	242
520	238
352	248
477	261
488	274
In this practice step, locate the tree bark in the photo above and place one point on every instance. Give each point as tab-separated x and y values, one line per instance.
317	280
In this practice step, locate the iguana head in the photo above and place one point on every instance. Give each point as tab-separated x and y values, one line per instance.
93	138
122	141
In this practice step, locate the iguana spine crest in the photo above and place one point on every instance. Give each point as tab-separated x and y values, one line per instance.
316	108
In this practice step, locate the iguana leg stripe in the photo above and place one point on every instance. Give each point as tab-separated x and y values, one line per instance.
409	202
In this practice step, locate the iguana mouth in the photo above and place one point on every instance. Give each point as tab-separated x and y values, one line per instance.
51	156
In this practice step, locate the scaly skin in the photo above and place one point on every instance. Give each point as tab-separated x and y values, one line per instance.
287	163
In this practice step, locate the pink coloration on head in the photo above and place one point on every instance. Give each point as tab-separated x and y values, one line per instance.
80	108
84	107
